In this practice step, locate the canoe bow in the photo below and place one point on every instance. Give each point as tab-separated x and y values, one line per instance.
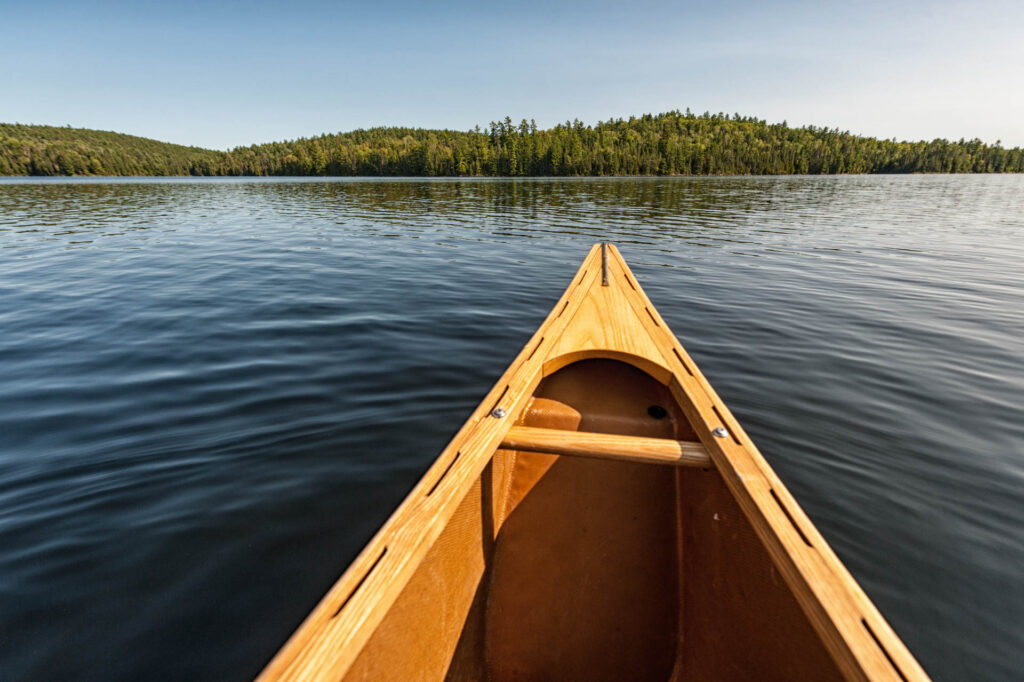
603	314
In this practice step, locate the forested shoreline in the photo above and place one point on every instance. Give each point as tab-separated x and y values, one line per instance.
673	143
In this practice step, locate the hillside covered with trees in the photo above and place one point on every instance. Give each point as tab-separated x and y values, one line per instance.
673	143
49	150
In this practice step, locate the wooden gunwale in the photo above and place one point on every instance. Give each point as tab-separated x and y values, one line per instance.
419	520
856	634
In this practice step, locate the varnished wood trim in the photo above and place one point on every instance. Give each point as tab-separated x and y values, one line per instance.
606	446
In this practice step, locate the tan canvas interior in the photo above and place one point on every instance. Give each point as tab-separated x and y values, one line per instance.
560	568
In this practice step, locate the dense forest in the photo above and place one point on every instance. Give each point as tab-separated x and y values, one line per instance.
673	143
48	150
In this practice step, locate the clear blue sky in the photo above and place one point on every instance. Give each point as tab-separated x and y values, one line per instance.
220	74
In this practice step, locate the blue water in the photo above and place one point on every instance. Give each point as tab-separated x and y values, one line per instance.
212	392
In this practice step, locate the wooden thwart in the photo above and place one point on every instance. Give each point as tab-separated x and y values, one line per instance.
607	446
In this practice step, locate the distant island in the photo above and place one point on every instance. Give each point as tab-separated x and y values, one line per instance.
673	143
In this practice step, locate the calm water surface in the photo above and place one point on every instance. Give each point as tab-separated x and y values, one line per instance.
213	392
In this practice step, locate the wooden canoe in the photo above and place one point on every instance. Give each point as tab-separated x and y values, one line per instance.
600	516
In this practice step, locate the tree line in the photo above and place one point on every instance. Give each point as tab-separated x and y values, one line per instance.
50	150
672	143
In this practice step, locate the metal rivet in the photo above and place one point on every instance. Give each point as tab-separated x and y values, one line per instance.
498	413
720	432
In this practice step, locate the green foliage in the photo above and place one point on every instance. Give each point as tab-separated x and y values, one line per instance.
48	150
672	143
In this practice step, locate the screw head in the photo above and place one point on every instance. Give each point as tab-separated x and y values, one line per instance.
720	432
498	413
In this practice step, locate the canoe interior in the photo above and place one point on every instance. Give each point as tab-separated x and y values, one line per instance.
556	568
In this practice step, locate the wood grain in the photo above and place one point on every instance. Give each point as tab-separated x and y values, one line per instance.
606	446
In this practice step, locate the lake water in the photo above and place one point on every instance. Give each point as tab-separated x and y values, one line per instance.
212	392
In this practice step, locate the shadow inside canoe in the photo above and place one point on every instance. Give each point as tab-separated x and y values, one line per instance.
577	584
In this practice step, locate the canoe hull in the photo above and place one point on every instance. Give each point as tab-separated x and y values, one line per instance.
506	564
